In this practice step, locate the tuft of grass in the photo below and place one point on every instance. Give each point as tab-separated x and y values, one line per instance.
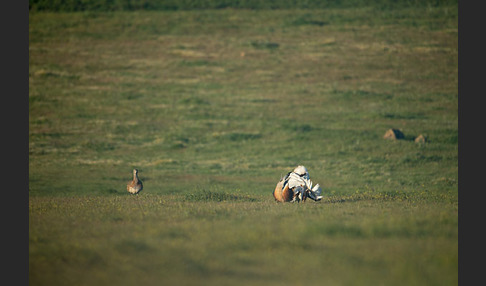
307	19
264	45
217	196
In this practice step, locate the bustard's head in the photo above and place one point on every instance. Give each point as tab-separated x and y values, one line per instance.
135	172
301	170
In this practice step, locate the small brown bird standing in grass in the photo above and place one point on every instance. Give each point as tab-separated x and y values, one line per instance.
135	185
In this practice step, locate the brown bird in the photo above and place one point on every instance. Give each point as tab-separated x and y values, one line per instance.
135	185
282	193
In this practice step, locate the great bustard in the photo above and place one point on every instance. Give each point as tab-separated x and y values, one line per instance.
135	185
296	186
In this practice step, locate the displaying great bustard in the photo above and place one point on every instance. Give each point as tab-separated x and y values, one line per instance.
135	185
296	186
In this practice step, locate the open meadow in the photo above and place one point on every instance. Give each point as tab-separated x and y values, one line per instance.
213	107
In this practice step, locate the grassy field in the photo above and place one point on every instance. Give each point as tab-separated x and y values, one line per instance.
213	107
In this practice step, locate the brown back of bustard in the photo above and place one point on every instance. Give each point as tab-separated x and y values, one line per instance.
282	193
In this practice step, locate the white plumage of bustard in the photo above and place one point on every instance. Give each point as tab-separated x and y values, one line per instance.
296	186
135	185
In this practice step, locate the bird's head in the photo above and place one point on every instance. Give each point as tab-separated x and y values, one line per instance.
301	171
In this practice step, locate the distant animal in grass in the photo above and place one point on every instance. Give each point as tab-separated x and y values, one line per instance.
296	186
135	185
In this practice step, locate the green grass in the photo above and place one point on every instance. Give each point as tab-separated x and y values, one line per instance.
153	239
173	5
213	107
